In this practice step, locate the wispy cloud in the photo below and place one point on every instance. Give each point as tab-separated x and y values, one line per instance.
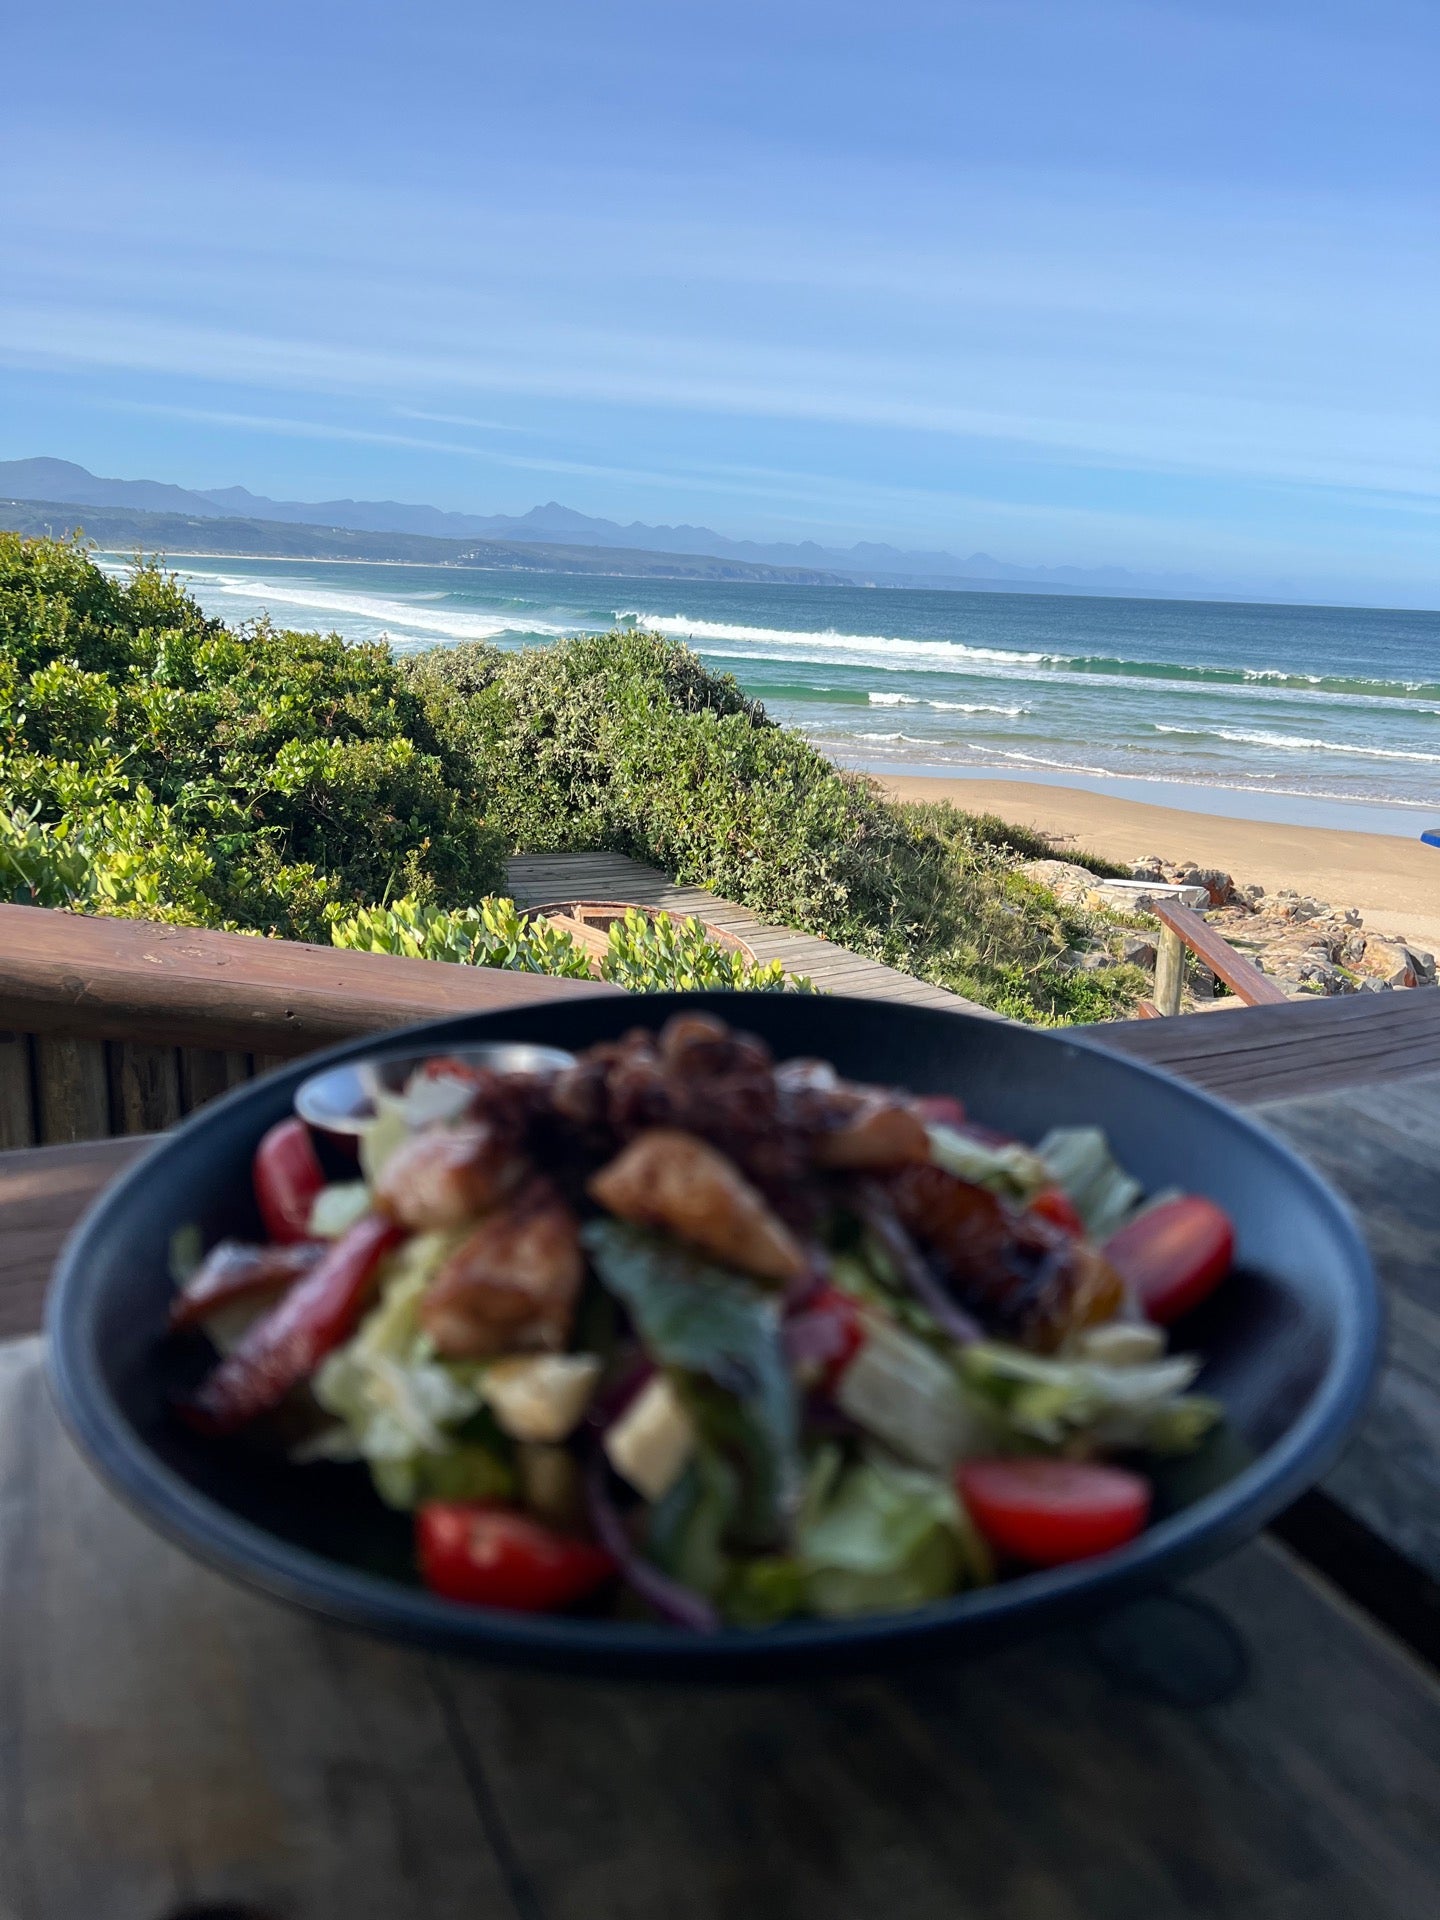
1073	266
1265	436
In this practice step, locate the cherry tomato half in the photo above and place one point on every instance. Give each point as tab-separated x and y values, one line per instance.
1056	1206
494	1557
1174	1255
287	1175
1046	1512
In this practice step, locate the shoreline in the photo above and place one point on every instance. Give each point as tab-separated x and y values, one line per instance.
1394	883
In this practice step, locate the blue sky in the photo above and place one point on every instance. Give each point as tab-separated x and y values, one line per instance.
1068	282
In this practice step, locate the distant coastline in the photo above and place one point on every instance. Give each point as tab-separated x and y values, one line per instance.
47	496
130	529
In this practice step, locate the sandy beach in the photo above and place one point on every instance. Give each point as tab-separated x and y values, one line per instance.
1394	883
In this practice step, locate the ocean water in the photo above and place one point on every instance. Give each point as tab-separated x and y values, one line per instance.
1320	714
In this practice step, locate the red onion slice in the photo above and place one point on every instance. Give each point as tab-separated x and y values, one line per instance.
680	1605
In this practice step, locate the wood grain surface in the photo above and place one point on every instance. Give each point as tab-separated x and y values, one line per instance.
1250	1054
171	1744
17	1095
1381	1147
43	1193
131	980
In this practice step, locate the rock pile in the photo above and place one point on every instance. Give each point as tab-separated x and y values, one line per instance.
1305	945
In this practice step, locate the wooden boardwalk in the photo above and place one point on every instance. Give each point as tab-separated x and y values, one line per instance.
536	878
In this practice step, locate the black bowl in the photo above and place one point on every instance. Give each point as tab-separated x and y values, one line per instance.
1290	1342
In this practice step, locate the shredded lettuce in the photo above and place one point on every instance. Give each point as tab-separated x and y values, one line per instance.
884	1537
763	1591
1013	1171
1079	1160
1034	1401
906	1395
718	1336
398	1405
688	1526
336	1208
387	1131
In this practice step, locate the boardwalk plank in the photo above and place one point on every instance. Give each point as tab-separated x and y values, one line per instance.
534	879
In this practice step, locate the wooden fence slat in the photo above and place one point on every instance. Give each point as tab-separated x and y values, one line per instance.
73	1088
144	1086
17	1101
206	1073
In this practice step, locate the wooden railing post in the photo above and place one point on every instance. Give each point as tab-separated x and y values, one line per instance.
1180	928
1169	970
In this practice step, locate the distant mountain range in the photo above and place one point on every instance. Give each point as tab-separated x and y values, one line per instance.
554	526
132	529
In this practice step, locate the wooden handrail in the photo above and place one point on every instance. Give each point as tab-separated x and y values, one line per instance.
1181	928
185	986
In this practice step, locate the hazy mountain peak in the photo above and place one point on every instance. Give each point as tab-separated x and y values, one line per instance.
49	479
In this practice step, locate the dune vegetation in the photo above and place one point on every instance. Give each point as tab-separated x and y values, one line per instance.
157	763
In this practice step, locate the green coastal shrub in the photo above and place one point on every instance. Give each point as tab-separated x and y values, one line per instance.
493	934
155	762
627	742
127	860
678	956
304	773
644	955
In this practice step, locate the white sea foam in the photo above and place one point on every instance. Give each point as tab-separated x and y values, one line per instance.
1296	743
1277	714
941	706
679	626
1060	766
387	611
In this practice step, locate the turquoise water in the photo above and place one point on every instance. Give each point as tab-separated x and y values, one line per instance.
1305	713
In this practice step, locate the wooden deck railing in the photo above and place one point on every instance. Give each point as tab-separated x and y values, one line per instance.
1182	928
122	1026
111	1027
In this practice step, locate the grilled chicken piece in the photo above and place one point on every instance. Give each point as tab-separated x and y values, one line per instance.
846	1126
1023	1277
696	1077
869	1132
447	1175
513	1284
697	1046
681	1185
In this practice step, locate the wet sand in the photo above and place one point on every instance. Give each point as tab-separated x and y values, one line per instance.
1394	883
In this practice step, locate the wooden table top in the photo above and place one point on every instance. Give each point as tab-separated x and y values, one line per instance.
1253	1746
1249	1749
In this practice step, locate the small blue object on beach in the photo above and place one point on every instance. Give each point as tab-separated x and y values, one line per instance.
1432	838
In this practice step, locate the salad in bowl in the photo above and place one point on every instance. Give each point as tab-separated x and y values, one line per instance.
670	1329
